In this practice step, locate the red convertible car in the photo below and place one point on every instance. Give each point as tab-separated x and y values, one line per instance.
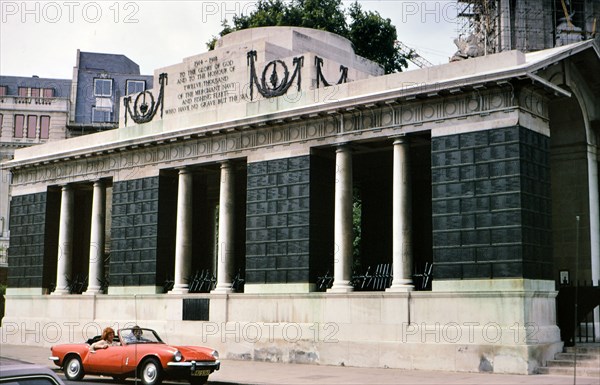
141	355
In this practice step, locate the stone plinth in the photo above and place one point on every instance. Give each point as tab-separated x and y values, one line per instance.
472	330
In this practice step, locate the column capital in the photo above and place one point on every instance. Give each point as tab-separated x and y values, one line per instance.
343	147
183	170
400	139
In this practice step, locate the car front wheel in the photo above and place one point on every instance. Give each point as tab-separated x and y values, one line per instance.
151	372
73	369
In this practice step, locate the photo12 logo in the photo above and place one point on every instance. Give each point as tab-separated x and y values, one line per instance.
53	332
69	12
226	10
428	11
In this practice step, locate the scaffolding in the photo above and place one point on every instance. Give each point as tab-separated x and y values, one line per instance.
412	55
526	25
477	19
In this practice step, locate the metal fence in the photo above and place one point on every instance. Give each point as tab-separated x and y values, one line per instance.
575	304
379	278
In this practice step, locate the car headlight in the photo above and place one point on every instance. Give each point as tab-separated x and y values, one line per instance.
215	354
177	356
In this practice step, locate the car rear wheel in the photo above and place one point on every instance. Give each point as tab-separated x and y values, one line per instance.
73	368
151	372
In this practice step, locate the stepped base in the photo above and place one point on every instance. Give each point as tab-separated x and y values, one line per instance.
588	362
561	371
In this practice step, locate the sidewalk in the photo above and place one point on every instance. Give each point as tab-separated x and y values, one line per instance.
262	373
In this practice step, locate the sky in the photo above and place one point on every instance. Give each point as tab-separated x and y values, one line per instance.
42	37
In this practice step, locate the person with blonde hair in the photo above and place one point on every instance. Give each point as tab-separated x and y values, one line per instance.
106	340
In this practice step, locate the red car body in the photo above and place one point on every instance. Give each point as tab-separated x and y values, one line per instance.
147	358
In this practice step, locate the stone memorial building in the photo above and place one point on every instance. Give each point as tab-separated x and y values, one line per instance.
225	208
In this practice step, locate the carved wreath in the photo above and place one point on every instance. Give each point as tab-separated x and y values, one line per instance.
274	86
321	78
143	113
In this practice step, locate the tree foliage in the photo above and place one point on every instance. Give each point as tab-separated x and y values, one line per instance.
373	36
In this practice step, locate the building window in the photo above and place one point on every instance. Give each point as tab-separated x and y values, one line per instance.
35	92
31	126
23	91
48	92
102	87
1	121
19	123
135	86
3	90
44	127
101	115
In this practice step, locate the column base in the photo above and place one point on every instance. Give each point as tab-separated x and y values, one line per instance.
184	289
222	289
60	292
344	287
93	291
400	288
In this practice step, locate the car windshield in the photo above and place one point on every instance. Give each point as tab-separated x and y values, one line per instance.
139	336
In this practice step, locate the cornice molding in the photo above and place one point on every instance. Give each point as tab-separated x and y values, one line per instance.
351	125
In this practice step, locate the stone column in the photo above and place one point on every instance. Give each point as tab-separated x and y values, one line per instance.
96	263
343	249
402	218
225	245
594	198
183	236
65	241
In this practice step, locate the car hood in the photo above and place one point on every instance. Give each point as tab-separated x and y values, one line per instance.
196	353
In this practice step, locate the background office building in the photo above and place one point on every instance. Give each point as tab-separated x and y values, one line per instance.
35	110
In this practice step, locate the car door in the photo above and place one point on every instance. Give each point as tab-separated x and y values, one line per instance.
105	361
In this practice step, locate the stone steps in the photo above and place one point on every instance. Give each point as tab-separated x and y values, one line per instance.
571	357
584	349
560	371
588	362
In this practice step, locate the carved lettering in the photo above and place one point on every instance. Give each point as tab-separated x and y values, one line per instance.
207	84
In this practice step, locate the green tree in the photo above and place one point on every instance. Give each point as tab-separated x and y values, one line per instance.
380	44
373	36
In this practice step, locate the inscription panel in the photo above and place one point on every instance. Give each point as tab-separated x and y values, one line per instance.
27	237
277	217
491	205
202	83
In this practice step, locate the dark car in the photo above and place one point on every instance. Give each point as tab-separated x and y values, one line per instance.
20	373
